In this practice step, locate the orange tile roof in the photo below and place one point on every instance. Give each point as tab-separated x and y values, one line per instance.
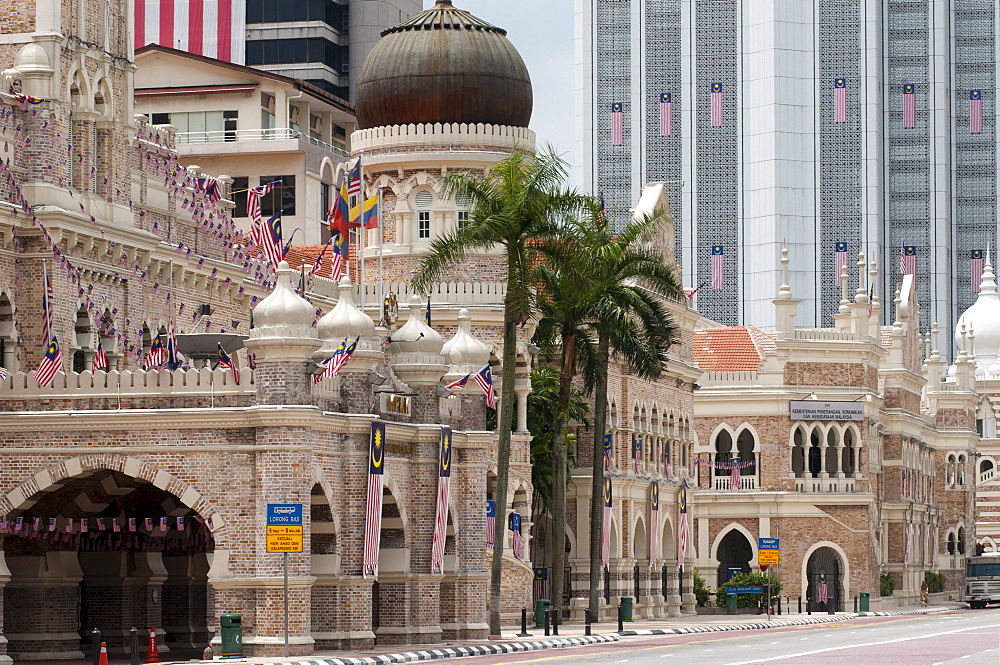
731	349
306	254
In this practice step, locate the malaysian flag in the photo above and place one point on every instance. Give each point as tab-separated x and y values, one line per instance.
976	111
100	358
840	100
339	260
460	383
617	124
666	115
540	587
268	236
254	195
736	472
51	363
354	179
717	111
172	360
976	261
318	263
636	451
908	260
909	106
516	541
606	525
654	524
491	522
608	451
373	516
213	28
840	254
717	263
3	373
48	304
336	362
209	187
444	492
156	355
485	380
682	528
225	362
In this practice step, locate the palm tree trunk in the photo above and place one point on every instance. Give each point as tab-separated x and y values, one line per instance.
597	475
504	425
559	471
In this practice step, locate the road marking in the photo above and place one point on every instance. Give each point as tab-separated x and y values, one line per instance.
852	646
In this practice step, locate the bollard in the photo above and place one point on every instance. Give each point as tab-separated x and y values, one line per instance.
830	607
855	603
95	635
547	619
800	604
779	606
621	620
586	619
524	623
809	606
134	645
555	620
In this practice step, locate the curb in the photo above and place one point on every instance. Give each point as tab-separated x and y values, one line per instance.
460	652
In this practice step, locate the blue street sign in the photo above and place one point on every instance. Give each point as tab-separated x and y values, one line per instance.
284	514
767	544
745	589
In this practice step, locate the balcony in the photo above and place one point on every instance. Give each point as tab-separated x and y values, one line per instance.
825	485
245	136
746	483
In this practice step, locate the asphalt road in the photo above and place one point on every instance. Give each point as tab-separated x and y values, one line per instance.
965	637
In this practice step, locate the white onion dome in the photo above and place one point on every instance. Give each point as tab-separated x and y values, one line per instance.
345	320
283	307
464	351
994	370
415	336
984	317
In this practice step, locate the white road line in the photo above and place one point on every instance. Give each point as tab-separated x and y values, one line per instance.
851	646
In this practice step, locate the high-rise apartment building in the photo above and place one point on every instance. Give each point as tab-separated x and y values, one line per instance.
900	157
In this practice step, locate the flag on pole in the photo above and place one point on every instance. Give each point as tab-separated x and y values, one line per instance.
908	260
636	451
717	109
367	212
3	373
339	260
172	360
485	380
540	587
100	358
354	179
840	100
460	383
682	528
617	124
976	111
491	522
156	355
336	362
225	362
606	525
666	115
444	493
373	516
717	264
339	213
268	236
427	313
608	451
840	253
515	526
48	303
654	524
318	263
976	261
254	195
909	106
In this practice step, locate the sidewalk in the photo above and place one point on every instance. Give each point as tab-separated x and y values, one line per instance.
572	635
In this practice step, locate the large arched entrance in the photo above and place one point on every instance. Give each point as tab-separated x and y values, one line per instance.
734	552
109	551
824	577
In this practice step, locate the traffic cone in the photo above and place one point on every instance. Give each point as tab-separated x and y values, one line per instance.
152	655
104	654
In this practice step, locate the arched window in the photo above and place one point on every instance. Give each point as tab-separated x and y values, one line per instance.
723	453
849	455
422	202
951	542
960	541
8	338
960	470
815	454
745	444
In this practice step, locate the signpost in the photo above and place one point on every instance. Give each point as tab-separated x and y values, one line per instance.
284	534
768	554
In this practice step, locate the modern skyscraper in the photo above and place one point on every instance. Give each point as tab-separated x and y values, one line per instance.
870	123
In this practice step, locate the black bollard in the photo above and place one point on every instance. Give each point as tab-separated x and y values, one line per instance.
779	606
855	603
800	604
524	625
547	625
134	642
809	606
586	619
621	620
830	608
96	640
555	620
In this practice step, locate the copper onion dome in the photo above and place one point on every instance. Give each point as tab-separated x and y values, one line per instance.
443	65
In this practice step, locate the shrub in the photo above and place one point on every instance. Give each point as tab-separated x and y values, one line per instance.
701	591
935	581
886	584
748	579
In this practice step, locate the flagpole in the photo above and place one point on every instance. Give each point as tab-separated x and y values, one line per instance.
381	275
361	229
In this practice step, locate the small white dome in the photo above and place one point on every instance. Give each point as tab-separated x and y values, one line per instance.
32	57
284	307
984	318
994	371
415	336
464	349
345	320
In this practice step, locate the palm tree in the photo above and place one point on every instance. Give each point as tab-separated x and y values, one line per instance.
518	201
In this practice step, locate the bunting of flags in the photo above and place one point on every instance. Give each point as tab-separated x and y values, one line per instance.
102	534
373	514
444	494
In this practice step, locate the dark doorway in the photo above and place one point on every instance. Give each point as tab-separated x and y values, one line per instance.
734	552
822	568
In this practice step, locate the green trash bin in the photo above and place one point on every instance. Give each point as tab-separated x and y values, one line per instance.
232	635
730	603
627	602
865	601
541	607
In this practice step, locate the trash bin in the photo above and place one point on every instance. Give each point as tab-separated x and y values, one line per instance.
865	601
627	602
541	607
730	603
232	635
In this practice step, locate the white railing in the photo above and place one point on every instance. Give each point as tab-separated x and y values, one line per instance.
442	293
987	475
746	483
238	135
87	384
822	334
732	377
447	135
825	485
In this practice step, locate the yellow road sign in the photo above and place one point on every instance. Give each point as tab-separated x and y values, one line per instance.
768	557
284	539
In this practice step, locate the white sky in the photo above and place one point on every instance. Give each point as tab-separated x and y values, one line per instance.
542	31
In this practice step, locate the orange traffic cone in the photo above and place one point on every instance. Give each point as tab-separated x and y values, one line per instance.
152	654
104	654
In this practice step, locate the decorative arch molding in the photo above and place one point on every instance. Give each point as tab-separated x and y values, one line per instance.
723	532
668	541
639	544
326	166
397	495
319	478
845	564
